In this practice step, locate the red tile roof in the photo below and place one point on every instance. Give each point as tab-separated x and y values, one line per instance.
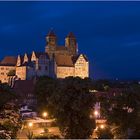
71	35
9	60
63	60
61	48
51	33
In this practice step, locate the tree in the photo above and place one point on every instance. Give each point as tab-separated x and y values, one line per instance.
104	133
6	94
123	112
43	90
101	85
11	121
9	114
11	73
30	135
71	104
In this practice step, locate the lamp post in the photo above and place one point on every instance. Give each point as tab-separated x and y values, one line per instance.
30	133
45	115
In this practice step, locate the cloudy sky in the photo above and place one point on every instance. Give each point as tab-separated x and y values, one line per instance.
107	32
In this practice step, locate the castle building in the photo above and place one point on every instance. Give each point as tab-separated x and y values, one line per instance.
57	61
6	66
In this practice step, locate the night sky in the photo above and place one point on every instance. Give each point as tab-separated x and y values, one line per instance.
107	32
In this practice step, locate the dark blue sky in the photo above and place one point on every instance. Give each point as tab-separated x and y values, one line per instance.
107	32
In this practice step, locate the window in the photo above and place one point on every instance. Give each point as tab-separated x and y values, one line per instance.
2	68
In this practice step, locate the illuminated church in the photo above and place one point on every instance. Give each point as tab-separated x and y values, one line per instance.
57	61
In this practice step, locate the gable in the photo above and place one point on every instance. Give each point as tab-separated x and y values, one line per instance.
80	58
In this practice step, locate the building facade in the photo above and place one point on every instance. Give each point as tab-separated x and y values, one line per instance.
7	65
57	61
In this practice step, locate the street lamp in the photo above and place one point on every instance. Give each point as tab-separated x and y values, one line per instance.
96	113
45	114
30	124
102	126
29	134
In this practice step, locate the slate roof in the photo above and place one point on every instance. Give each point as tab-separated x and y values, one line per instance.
29	56
38	54
31	64
22	58
61	48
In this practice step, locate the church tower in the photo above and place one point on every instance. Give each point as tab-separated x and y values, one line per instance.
51	40
70	43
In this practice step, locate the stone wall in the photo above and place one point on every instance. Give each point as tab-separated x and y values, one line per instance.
62	72
3	73
21	72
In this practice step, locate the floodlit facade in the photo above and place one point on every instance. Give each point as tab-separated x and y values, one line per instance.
57	61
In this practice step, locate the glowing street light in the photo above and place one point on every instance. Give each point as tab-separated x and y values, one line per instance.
30	124
96	113
102	126
45	114
91	116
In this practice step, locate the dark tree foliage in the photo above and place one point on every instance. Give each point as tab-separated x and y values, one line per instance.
9	114
11	73
102	85
71	105
123	112
104	133
6	94
43	89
